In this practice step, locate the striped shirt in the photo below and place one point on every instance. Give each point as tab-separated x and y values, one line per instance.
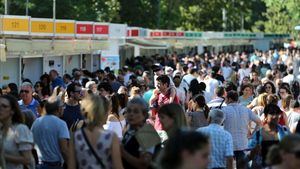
221	145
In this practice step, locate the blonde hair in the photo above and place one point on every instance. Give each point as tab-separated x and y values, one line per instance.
286	102
94	109
262	99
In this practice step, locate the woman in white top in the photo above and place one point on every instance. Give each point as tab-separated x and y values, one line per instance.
115	120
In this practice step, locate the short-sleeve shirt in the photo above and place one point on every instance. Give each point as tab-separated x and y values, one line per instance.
221	145
47	131
18	138
237	118
32	106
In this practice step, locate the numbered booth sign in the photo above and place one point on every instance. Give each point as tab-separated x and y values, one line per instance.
101	30
84	29
43	27
65	28
15	25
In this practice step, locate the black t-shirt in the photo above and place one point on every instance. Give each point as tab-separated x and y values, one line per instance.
72	114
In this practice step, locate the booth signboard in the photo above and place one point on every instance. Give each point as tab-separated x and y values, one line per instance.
155	34
65	28
42	27
117	31
84	29
113	62
101	30
15	25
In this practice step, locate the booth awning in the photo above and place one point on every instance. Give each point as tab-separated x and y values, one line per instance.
147	44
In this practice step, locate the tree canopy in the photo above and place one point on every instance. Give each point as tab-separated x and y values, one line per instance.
270	16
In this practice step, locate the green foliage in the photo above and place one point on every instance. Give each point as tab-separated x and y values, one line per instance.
271	16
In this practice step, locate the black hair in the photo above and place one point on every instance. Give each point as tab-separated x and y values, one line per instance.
272	85
18	116
233	95
164	79
191	141
272	109
200	100
220	91
229	86
67	76
295	88
106	86
71	88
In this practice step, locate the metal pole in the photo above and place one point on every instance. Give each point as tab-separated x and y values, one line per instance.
224	18
54	9
5	7
27	5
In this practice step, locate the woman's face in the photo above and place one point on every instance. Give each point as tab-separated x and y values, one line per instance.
38	87
197	160
268	88
246	81
247	91
134	115
5	110
283	93
166	121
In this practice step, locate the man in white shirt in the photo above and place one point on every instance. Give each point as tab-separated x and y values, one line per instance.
211	83
236	123
219	100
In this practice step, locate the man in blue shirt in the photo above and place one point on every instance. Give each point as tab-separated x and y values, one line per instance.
56	80
51	136
27	101
221	141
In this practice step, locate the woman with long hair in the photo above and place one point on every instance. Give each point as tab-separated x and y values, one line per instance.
91	146
197	113
270	134
17	138
172	118
115	120
247	94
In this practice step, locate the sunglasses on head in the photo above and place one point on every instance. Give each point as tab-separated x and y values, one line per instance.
24	91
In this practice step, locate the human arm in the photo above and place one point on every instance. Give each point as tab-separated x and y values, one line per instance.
64	137
63	144
255	118
71	157
172	94
143	161
154	97
229	162
116	154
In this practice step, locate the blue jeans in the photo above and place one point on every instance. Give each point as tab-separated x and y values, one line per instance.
240	157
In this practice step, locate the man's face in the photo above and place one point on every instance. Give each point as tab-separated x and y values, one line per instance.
77	95
161	86
26	93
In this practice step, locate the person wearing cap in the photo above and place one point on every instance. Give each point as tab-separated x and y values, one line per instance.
221	141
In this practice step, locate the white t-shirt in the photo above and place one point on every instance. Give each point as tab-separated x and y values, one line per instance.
211	84
226	72
243	73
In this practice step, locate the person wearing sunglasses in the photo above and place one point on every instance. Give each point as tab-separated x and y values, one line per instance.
270	134
286	154
27	101
15	136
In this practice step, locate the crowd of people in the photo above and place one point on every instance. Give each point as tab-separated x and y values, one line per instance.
216	111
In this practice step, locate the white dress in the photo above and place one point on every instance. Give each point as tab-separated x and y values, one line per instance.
115	126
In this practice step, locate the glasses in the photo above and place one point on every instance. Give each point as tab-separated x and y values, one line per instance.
4	106
24	91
